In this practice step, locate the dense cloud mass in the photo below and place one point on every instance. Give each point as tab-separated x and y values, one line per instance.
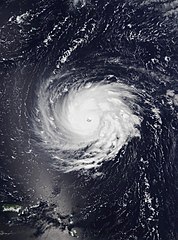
84	124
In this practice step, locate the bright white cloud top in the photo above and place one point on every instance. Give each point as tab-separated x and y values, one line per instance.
82	125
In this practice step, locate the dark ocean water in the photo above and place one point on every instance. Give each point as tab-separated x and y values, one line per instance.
131	197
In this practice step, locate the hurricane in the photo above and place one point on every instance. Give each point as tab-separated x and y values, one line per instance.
84	123
89	119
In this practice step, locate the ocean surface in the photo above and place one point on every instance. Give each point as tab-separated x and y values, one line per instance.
88	120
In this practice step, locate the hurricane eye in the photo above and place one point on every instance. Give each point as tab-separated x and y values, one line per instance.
89	119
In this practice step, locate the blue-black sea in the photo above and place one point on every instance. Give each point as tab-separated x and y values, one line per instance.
88	119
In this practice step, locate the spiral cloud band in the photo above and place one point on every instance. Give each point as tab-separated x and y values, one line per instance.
85	124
